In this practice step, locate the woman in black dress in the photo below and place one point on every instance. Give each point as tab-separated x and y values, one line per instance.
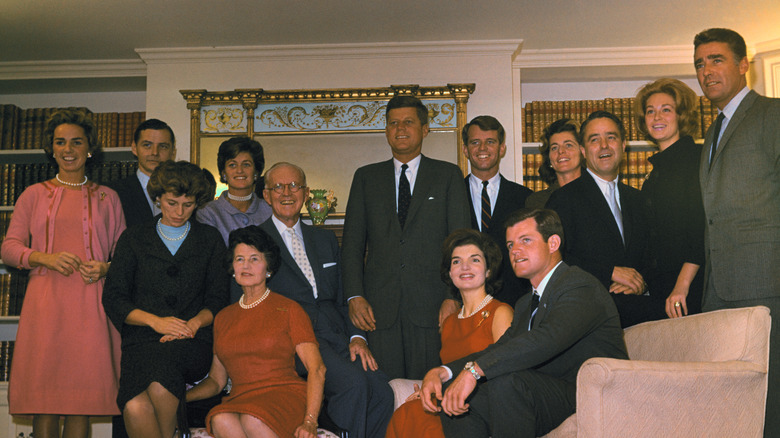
667	114
167	281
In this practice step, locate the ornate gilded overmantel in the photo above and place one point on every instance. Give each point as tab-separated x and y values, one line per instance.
258	112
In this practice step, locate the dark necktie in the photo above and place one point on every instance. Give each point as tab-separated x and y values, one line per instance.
534	308
718	124
485	207
404	196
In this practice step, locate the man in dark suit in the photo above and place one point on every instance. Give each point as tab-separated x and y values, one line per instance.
604	224
491	196
153	143
524	384
740	188
401	210
358	396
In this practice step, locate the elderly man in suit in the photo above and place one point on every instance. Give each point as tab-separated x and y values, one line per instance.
524	384
358	396
491	196
604	224
740	187
400	211
153	143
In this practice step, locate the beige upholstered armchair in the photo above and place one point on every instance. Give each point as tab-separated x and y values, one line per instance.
699	376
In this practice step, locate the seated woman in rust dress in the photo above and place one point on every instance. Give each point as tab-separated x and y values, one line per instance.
469	264
255	343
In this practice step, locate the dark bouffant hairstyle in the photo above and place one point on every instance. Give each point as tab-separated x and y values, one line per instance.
562	125
254	236
685	101
70	117
230	149
408	102
489	248
179	178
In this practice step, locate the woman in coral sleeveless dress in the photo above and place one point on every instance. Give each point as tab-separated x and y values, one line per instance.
255	343
66	358
469	266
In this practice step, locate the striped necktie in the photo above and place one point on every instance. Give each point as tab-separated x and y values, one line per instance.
486	210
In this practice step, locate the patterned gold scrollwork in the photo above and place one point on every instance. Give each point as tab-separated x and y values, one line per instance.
326	116
223	119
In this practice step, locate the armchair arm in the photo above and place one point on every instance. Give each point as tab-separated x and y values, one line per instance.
618	398
402	389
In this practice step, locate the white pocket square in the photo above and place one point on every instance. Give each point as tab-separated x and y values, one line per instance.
328	265
430	198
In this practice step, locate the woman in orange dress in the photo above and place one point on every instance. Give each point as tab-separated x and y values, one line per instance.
469	266
255	343
64	230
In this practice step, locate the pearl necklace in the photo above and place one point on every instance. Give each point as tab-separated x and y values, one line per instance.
242	301
172	239
57	176
240	198
488	298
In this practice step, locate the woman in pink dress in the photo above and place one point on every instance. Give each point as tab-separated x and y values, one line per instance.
66	356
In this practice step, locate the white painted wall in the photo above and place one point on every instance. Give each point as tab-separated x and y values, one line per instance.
487	64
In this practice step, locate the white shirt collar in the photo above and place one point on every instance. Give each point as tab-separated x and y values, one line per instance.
604	185
731	107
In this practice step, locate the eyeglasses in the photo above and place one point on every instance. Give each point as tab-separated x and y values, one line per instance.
293	186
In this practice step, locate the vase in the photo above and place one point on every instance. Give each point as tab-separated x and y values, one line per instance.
318	206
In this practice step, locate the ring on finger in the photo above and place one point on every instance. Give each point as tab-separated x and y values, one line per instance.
677	304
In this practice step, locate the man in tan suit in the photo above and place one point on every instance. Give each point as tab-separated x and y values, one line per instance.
740	188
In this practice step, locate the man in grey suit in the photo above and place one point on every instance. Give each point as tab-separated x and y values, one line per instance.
357	394
524	384
400	211
740	188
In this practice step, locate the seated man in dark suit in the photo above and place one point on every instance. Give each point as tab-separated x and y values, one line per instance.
153	143
604	224
524	384
491	196
358	396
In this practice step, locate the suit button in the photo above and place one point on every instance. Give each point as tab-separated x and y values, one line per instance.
403	266
402	241
710	221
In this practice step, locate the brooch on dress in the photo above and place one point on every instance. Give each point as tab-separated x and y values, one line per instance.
485	314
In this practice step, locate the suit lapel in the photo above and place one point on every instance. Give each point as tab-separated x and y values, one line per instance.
549	291
739	114
287	258
503	200
596	199
424	179
385	190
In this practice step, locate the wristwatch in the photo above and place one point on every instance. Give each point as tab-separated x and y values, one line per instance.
472	368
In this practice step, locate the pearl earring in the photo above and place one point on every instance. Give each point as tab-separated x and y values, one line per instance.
267	275
234	275
89	155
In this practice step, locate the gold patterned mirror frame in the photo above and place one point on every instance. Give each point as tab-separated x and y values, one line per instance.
327	111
